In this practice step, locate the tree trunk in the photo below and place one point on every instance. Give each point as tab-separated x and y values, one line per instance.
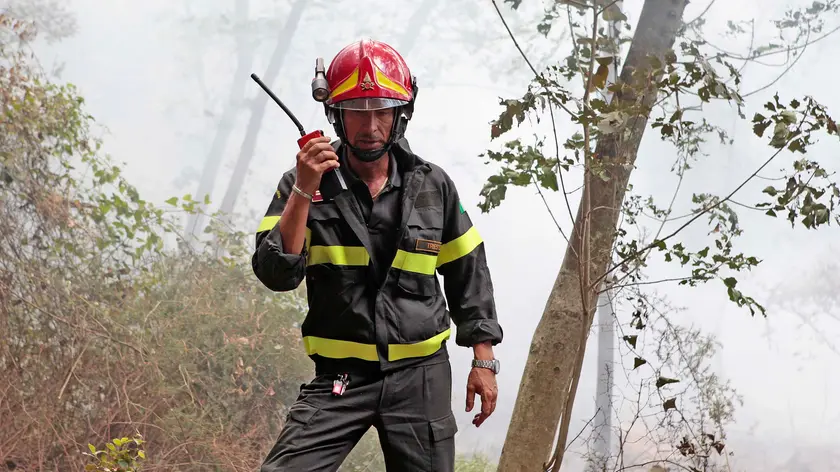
559	338
244	61
250	142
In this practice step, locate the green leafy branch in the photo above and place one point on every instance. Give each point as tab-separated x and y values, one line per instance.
808	193
793	131
119	455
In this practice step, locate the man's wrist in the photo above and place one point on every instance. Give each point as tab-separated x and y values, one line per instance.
491	365
483	351
305	193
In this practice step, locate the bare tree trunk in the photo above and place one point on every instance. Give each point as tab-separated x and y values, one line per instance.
546	391
245	60
250	142
415	24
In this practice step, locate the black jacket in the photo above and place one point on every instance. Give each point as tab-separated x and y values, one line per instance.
405	319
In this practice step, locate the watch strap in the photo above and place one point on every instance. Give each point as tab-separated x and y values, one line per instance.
487	364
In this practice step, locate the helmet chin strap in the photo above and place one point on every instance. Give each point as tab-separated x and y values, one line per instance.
369	155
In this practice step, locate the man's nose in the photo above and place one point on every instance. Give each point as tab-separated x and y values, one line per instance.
369	121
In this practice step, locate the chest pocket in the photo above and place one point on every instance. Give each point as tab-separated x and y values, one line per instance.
325	224
422	246
331	241
426	223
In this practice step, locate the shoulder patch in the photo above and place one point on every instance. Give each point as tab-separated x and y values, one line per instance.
428	198
461	208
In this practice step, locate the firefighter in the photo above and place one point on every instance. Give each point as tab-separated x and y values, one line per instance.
369	252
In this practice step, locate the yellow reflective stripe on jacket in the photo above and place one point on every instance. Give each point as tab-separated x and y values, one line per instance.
404	260
338	255
421	349
459	247
336	349
267	223
414	262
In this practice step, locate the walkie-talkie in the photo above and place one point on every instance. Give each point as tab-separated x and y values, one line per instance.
332	182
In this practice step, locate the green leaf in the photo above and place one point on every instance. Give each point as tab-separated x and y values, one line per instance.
92	448
760	127
549	181
638	362
797	145
730	282
662	381
172	201
613	13
770	191
780	134
788	117
604	61
631	340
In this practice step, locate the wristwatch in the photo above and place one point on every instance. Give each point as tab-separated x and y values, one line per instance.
493	364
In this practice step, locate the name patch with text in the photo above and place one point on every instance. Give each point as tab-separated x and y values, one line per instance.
427	245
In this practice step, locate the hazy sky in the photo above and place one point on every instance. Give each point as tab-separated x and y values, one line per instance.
141	66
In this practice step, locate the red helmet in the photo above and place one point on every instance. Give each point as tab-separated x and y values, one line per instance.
369	75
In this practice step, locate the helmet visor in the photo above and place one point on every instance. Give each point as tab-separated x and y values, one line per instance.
367	104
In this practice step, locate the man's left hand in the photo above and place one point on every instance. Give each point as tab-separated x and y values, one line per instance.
483	382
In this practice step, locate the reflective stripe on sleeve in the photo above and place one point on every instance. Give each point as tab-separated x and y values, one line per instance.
267	223
459	247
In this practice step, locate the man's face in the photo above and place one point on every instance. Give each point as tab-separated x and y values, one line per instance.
368	129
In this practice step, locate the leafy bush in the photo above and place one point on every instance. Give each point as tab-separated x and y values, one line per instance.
106	331
120	455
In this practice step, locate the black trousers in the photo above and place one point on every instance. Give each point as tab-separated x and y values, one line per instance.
410	408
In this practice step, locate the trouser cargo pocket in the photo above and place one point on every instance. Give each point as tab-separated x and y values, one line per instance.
442	435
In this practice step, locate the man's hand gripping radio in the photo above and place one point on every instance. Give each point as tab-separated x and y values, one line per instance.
332	182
